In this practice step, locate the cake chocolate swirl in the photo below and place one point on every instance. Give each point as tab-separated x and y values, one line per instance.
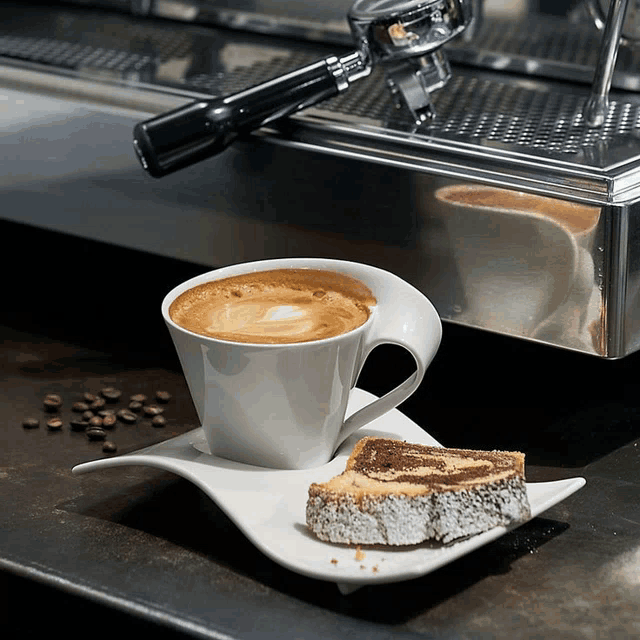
389	460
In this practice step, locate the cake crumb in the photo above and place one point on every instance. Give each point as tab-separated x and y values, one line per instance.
374	569
362	566
334	560
381	497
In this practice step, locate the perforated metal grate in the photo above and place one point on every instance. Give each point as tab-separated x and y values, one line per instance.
478	110
247	76
512	114
470	108
70	55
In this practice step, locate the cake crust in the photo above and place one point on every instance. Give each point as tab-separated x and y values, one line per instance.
393	492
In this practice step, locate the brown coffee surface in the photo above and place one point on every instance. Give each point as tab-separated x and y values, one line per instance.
278	306
576	216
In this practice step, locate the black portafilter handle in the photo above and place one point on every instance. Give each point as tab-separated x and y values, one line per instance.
201	129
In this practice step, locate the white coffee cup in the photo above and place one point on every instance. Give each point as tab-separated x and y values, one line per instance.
283	405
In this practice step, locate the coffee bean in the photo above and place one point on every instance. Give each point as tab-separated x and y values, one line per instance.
78	425
152	410
87	415
80	407
163	396
127	417
31	423
109	447
107	412
135	406
89	397
96	433
52	402
111	394
159	421
108	422
97	404
138	397
95	421
54	424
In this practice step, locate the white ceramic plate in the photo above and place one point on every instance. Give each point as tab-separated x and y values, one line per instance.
268	505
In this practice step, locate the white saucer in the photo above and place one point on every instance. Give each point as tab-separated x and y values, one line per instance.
268	505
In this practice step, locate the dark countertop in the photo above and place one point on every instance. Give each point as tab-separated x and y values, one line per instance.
139	549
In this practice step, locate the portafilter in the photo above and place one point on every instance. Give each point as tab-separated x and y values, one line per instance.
404	36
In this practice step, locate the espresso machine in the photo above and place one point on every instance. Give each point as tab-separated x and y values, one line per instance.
488	155
405	37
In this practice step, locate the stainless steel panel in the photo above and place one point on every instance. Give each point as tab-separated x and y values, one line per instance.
532	268
528	265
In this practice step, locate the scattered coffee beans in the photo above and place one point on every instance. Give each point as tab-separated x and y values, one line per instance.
159	421
111	394
97	404
54	424
78	425
127	416
52	402
109	421
96	433
96	420
152	410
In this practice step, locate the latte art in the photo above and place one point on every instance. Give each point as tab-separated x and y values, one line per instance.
253	319
275	307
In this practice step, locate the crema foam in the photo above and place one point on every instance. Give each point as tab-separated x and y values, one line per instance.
279	306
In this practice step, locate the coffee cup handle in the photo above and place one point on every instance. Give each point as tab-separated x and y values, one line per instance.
404	317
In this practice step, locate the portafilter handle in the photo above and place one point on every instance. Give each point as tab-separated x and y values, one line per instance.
404	35
201	129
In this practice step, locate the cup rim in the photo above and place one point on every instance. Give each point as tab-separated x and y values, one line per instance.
265	265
